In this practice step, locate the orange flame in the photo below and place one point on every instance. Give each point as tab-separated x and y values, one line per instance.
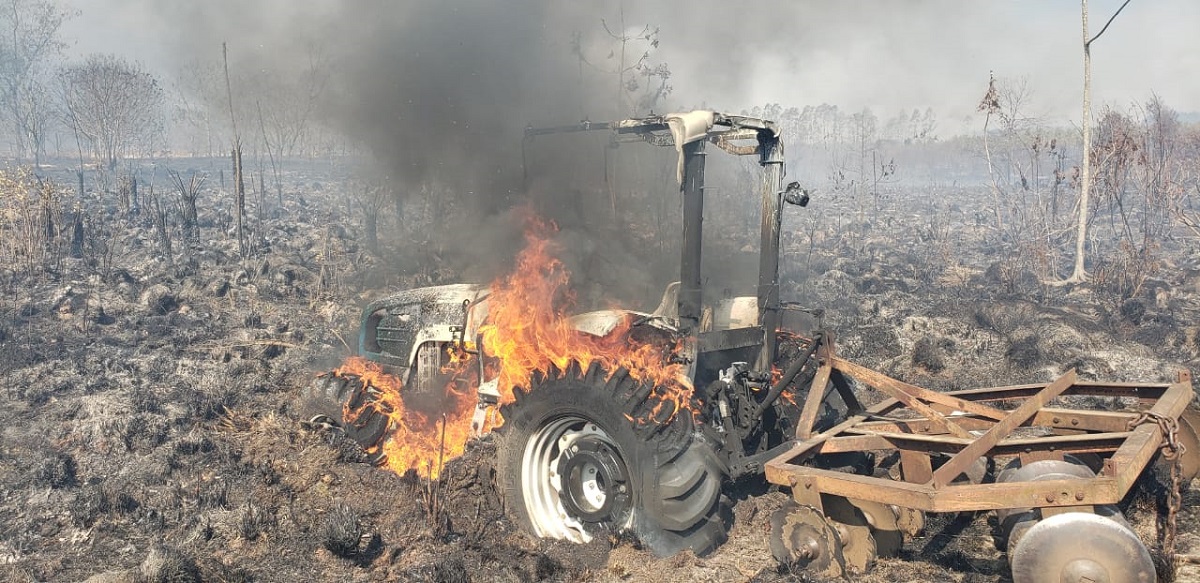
417	440
527	329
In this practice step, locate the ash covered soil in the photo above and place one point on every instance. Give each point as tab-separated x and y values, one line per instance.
148	429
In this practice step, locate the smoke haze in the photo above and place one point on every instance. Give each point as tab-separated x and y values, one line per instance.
439	92
886	55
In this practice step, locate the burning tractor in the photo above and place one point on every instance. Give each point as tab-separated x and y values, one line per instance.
622	421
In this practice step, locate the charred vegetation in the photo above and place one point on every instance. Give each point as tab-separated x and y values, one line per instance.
160	326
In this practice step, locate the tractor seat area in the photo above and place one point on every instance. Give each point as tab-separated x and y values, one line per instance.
727	314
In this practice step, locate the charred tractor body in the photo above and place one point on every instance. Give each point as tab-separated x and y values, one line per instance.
577	459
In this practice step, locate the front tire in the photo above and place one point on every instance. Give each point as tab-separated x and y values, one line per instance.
326	401
579	458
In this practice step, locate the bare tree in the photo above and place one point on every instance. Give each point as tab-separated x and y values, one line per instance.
1018	148
239	186
286	122
28	39
864	124
279	100
1078	274
370	200
990	106
1187	208
115	105
292	98
200	104
632	97
35	115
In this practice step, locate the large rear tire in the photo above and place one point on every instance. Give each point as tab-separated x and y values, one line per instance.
577	458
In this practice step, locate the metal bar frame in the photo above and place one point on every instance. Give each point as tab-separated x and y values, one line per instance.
690	299
934	427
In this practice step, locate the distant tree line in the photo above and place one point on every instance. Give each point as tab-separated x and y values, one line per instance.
104	108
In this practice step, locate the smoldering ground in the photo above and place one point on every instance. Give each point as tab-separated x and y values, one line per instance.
172	421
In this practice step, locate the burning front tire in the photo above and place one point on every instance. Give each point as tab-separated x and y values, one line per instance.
331	395
576	462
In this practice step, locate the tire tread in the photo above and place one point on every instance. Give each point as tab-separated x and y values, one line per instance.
687	510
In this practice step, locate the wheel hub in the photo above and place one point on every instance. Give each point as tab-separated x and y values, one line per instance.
574	480
593	481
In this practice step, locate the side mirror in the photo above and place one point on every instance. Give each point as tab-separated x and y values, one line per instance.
796	195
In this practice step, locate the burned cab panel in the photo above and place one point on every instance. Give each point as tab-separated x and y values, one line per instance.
408	332
389	333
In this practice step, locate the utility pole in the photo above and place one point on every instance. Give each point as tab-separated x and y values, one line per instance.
1079	274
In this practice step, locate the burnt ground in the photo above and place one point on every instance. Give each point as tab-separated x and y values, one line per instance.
147	430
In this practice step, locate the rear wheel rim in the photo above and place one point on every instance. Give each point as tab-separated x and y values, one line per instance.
574	480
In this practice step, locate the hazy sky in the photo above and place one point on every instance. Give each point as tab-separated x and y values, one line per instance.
889	55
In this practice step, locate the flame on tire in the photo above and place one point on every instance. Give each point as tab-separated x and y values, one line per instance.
417	440
528	330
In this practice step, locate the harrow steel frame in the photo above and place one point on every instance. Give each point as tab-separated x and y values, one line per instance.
968	425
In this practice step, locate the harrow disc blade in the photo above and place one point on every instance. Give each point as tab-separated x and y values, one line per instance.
1067	468
1077	546
910	521
858	548
881	520
802	538
1069	465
